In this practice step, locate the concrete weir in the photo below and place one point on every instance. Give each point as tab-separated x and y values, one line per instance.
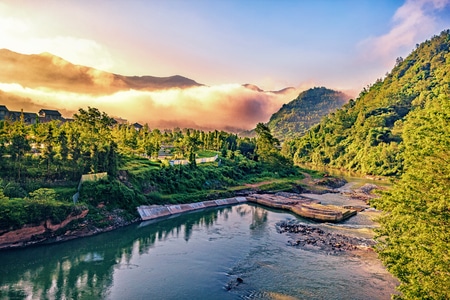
150	212
302	206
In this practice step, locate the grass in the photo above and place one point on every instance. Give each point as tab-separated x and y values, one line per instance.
65	192
206	153
138	165
313	173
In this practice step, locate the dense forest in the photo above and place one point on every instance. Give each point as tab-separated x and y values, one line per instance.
414	239
365	135
400	127
296	117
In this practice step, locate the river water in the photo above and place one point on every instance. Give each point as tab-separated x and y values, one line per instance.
199	255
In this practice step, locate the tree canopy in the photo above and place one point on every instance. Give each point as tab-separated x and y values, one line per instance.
414	239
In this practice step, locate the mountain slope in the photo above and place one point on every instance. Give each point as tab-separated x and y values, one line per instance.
366	134
49	71
297	116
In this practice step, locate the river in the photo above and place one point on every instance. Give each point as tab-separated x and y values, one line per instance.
223	253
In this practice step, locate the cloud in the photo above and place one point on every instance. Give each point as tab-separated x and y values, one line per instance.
230	107
22	35
413	22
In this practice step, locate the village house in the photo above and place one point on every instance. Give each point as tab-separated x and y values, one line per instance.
137	126
48	115
3	112
6	114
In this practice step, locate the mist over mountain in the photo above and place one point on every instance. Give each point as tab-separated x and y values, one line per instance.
36	81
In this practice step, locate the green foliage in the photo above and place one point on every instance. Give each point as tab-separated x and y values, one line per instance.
365	135
297	116
206	153
41	205
414	239
109	192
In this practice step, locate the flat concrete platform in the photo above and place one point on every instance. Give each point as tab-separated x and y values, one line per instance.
304	207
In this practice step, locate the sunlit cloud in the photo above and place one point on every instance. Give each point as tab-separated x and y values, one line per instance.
412	23
25	36
229	107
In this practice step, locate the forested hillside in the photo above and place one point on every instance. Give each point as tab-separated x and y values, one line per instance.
366	134
401	126
414	239
297	116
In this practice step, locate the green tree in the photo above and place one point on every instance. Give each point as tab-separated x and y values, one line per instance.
266	144
19	144
414	239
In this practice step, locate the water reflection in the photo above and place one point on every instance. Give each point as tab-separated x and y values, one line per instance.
83	268
189	256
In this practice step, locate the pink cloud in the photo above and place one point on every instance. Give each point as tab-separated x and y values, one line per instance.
412	23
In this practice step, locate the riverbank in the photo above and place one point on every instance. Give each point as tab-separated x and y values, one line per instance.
83	225
72	227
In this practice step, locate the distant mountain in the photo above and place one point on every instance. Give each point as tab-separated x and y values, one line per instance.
49	71
297	116
36	81
257	89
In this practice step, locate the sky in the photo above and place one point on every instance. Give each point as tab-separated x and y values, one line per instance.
344	44
340	44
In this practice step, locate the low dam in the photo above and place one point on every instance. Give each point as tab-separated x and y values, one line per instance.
302	206
157	211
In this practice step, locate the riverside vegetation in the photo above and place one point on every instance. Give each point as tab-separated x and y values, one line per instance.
41	165
399	127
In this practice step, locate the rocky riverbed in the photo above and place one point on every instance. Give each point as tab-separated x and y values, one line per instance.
354	234
310	237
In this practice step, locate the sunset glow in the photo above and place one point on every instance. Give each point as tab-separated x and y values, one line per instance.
227	107
343	45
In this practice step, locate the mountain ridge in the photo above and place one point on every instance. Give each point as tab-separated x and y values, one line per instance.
51	71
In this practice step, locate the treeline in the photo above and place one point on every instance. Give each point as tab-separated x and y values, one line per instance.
93	143
42	163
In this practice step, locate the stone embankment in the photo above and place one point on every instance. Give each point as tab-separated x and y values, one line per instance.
150	212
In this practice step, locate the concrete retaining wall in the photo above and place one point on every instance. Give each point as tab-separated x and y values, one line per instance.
157	211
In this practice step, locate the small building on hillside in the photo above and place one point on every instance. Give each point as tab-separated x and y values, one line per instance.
28	117
137	126
119	121
3	112
48	115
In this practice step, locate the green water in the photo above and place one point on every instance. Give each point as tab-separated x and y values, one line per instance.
192	256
